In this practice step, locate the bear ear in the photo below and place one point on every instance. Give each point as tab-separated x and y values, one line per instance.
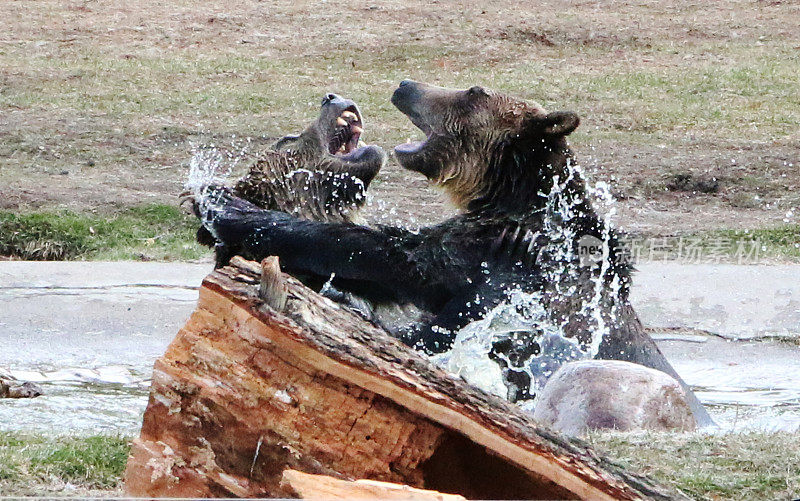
285	142
560	123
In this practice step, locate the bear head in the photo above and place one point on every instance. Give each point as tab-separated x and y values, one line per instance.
333	142
482	147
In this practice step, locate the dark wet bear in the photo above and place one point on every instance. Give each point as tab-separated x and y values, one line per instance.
526	211
321	174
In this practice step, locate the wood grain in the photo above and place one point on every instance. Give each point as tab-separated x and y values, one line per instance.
245	392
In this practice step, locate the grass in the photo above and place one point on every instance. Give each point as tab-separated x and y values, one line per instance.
757	246
127	87
752	94
146	232
782	242
739	466
62	465
706	467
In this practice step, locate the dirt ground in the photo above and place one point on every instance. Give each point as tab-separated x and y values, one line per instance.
690	110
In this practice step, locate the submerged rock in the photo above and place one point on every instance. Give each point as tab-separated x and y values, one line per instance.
613	395
19	390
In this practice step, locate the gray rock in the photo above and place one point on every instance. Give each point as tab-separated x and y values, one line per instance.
612	395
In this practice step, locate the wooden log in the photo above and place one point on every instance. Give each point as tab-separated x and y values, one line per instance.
307	486
244	393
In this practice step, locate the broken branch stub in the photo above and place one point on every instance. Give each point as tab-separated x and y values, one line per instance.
272	288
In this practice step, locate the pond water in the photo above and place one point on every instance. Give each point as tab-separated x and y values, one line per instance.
90	337
88	334
746	386
79	404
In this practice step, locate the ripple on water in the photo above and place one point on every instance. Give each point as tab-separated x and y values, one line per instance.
746	386
78	401
112	399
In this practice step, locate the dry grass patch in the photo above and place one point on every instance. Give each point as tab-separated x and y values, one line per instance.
736	466
115	93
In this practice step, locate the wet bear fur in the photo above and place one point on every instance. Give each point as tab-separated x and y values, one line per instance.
507	165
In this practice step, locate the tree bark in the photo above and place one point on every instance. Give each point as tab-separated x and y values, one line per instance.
245	392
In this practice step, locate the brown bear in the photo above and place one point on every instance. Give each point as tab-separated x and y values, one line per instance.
527	218
322	174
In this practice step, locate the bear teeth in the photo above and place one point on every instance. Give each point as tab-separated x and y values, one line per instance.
347	133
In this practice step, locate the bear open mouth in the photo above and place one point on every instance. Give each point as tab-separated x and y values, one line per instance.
346	132
413	147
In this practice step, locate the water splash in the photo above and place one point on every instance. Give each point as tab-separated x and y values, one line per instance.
205	169
287	184
387	212
212	166
537	346
521	339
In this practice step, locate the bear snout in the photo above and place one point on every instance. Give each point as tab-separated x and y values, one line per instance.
406	95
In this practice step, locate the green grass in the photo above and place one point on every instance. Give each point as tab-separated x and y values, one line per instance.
163	232
782	242
757	246
706	467
733	466
37	465
146	232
